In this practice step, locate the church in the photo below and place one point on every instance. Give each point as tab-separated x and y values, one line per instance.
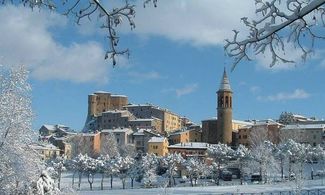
222	129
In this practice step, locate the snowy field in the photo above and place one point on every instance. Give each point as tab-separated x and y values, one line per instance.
204	186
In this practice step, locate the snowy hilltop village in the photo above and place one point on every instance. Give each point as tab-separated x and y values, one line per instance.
139	146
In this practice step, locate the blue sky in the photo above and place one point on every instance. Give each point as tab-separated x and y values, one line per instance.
176	62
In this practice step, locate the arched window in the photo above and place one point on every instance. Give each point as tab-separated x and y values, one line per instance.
227	102
230	102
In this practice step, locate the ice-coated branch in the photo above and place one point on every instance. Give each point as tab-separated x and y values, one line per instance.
111	20
110	17
275	19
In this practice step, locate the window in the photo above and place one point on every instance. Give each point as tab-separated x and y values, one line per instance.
227	101
245	136
117	140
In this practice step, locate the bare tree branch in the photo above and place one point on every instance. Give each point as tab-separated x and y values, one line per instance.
274	18
79	9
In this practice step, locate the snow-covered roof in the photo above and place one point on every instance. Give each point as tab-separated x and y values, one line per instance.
266	122
43	146
89	134
116	111
150	105
156	139
118	130
233	121
211	119
142	120
50	127
304	126
242	122
224	84
101	92
59	138
115	95
178	132
139	105
190	145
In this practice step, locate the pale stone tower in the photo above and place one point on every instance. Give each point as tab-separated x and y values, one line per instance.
224	124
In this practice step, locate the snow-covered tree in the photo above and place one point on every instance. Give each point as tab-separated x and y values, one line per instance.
128	150
314	154
90	169
243	155
135	171
263	155
101	168
172	162
194	168
150	164
45	185
79	163
58	164
279	26
111	168
109	146
19	163
124	164
221	153
286	118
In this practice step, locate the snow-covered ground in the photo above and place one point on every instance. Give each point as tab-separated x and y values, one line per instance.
205	186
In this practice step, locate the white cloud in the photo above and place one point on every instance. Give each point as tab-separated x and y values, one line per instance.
26	38
186	90
254	89
291	53
140	76
283	96
204	22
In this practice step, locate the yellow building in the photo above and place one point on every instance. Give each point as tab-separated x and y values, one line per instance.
304	133
46	151
185	136
85	143
158	146
191	149
170	121
102	101
271	128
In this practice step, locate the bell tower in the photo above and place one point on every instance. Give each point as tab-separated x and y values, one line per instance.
224	111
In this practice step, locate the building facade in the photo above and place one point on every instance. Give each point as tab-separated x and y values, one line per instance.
46	151
102	101
123	136
170	120
154	124
113	119
141	138
266	129
312	134
190	149
158	146
185	136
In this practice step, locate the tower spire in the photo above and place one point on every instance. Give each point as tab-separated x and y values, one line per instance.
224	84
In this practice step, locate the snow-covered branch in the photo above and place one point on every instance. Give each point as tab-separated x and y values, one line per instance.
110	16
297	19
